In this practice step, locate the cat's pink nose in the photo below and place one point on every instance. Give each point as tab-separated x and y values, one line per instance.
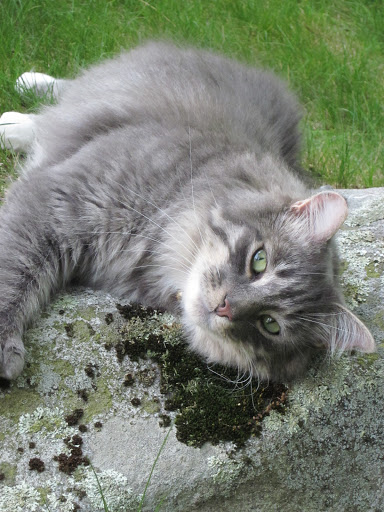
224	310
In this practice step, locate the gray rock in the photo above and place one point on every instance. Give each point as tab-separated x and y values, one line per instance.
324	453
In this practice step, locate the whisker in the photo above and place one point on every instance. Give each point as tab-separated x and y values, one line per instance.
153	222
125	187
325	314
123	233
192	192
155	252
210	188
323	324
162	266
227	379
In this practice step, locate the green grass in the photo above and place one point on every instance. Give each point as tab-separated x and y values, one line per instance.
330	52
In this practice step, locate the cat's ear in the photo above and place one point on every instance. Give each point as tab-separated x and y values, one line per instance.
347	332
321	215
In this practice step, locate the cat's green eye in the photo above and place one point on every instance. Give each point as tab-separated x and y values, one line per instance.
270	324
259	261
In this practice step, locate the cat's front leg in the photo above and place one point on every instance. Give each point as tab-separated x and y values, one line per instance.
12	353
33	264
29	273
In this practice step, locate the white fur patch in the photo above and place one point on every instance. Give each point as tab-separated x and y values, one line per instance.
16	131
40	83
193	298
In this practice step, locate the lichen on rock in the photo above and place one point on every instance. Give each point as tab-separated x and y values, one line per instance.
104	380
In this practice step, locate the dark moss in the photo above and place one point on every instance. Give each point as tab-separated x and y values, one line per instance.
32	445
147	376
83	428
210	413
98	425
129	380
170	405
2	477
108	318
135	402
73	418
210	406
91	370
83	394
36	464
134	311
165	420
80	493
77	440
4	383
134	348
69	463
69	329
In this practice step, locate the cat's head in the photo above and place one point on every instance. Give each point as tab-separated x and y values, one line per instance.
263	293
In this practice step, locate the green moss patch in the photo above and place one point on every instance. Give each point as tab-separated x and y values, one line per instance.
367	360
7	473
374	269
97	403
210	407
19	401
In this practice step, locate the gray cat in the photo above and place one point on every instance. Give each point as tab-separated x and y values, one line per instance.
171	177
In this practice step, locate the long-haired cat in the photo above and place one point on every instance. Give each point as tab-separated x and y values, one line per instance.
171	177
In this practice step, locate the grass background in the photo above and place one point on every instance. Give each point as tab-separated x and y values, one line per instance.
329	51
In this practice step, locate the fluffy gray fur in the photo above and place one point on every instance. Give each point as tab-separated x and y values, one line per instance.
157	177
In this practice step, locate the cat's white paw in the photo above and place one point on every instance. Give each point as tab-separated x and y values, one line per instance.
11	358
16	131
39	83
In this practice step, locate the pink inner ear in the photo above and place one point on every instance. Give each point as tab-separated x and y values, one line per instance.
322	213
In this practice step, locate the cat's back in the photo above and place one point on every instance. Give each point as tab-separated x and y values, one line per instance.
167	86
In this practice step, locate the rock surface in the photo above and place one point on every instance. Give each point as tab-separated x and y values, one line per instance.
82	400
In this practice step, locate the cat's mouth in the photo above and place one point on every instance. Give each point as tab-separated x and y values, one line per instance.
205	315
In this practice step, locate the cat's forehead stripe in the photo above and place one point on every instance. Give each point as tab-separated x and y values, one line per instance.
228	231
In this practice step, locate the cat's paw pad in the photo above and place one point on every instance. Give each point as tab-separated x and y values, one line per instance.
39	83
11	358
16	131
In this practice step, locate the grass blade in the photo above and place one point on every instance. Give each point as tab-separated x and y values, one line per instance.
106	509
151	472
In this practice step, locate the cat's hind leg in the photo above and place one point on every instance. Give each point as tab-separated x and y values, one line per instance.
42	85
17	131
